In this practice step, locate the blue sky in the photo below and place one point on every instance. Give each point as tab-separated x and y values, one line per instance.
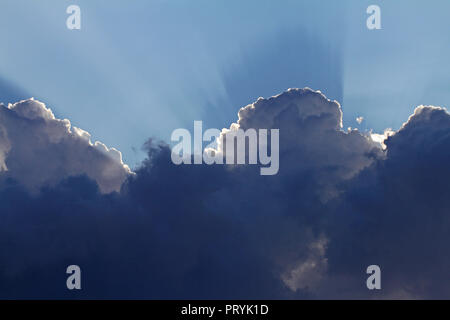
140	69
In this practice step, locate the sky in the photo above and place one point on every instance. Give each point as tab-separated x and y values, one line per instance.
87	175
148	67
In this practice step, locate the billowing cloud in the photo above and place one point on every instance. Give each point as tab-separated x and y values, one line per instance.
339	203
37	149
395	214
312	142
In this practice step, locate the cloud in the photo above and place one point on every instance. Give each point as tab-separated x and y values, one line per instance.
395	214
310	271
312	142
339	203
37	149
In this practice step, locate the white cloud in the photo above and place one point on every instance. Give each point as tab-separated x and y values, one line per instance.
311	137
37	149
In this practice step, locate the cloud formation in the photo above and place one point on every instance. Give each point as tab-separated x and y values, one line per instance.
340	202
396	212
37	149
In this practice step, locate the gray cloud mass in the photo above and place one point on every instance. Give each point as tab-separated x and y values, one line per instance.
339	203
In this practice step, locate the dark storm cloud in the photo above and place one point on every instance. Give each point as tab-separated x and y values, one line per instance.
338	204
396	214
